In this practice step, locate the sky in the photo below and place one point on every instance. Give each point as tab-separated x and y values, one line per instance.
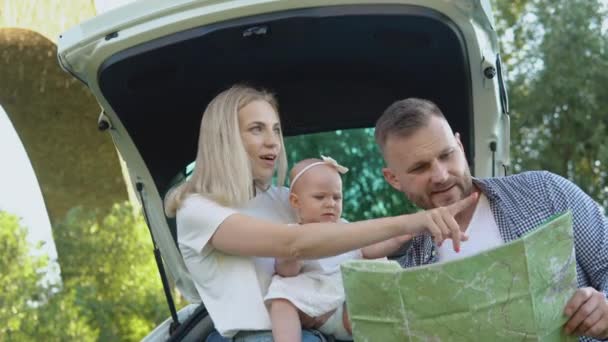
106	5
19	190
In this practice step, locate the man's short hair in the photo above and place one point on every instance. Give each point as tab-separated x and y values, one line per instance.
403	118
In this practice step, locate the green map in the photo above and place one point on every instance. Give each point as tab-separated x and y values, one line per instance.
515	292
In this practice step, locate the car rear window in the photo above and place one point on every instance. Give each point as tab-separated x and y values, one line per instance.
366	193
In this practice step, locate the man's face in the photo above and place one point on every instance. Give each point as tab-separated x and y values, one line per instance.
429	166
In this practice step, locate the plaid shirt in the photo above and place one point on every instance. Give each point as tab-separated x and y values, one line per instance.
520	203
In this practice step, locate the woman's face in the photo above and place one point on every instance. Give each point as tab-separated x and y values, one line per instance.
261	134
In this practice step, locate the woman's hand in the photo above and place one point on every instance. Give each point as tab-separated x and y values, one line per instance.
440	222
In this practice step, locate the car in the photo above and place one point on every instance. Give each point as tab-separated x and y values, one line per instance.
334	64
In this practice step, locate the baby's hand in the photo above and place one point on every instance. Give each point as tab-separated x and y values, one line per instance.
287	267
440	222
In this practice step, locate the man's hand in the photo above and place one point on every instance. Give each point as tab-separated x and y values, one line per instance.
587	311
441	223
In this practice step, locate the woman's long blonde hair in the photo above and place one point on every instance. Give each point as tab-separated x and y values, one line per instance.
222	171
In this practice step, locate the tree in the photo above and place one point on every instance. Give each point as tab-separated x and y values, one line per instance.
557	89
108	268
19	284
110	286
59	319
27	305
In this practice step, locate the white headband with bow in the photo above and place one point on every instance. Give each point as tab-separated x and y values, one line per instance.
326	161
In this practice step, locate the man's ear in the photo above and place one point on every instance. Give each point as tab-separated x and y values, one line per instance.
457	136
294	201
390	177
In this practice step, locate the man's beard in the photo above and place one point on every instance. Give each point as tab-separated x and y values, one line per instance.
464	184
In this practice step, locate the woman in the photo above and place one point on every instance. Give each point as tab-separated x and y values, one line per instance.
228	213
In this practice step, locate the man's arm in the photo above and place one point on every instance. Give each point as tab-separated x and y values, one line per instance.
590	227
588	308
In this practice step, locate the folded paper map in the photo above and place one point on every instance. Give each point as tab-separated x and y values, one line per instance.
515	292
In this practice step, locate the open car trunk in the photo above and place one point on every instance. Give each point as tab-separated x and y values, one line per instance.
331	68
332	64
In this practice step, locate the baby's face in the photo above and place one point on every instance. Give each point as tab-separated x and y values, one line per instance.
318	195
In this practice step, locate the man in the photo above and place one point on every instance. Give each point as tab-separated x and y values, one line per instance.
425	160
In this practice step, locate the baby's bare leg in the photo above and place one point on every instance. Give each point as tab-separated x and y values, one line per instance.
346	321
286	326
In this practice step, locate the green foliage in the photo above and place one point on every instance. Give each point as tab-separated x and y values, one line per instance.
108	267
366	194
19	284
519	35
59	319
558	91
110	289
29	310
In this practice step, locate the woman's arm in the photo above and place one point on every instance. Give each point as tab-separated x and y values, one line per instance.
384	248
244	235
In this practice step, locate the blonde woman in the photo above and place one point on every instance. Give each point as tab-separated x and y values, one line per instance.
232	222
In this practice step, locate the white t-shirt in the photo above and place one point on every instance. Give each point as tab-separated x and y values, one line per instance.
483	234
231	287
